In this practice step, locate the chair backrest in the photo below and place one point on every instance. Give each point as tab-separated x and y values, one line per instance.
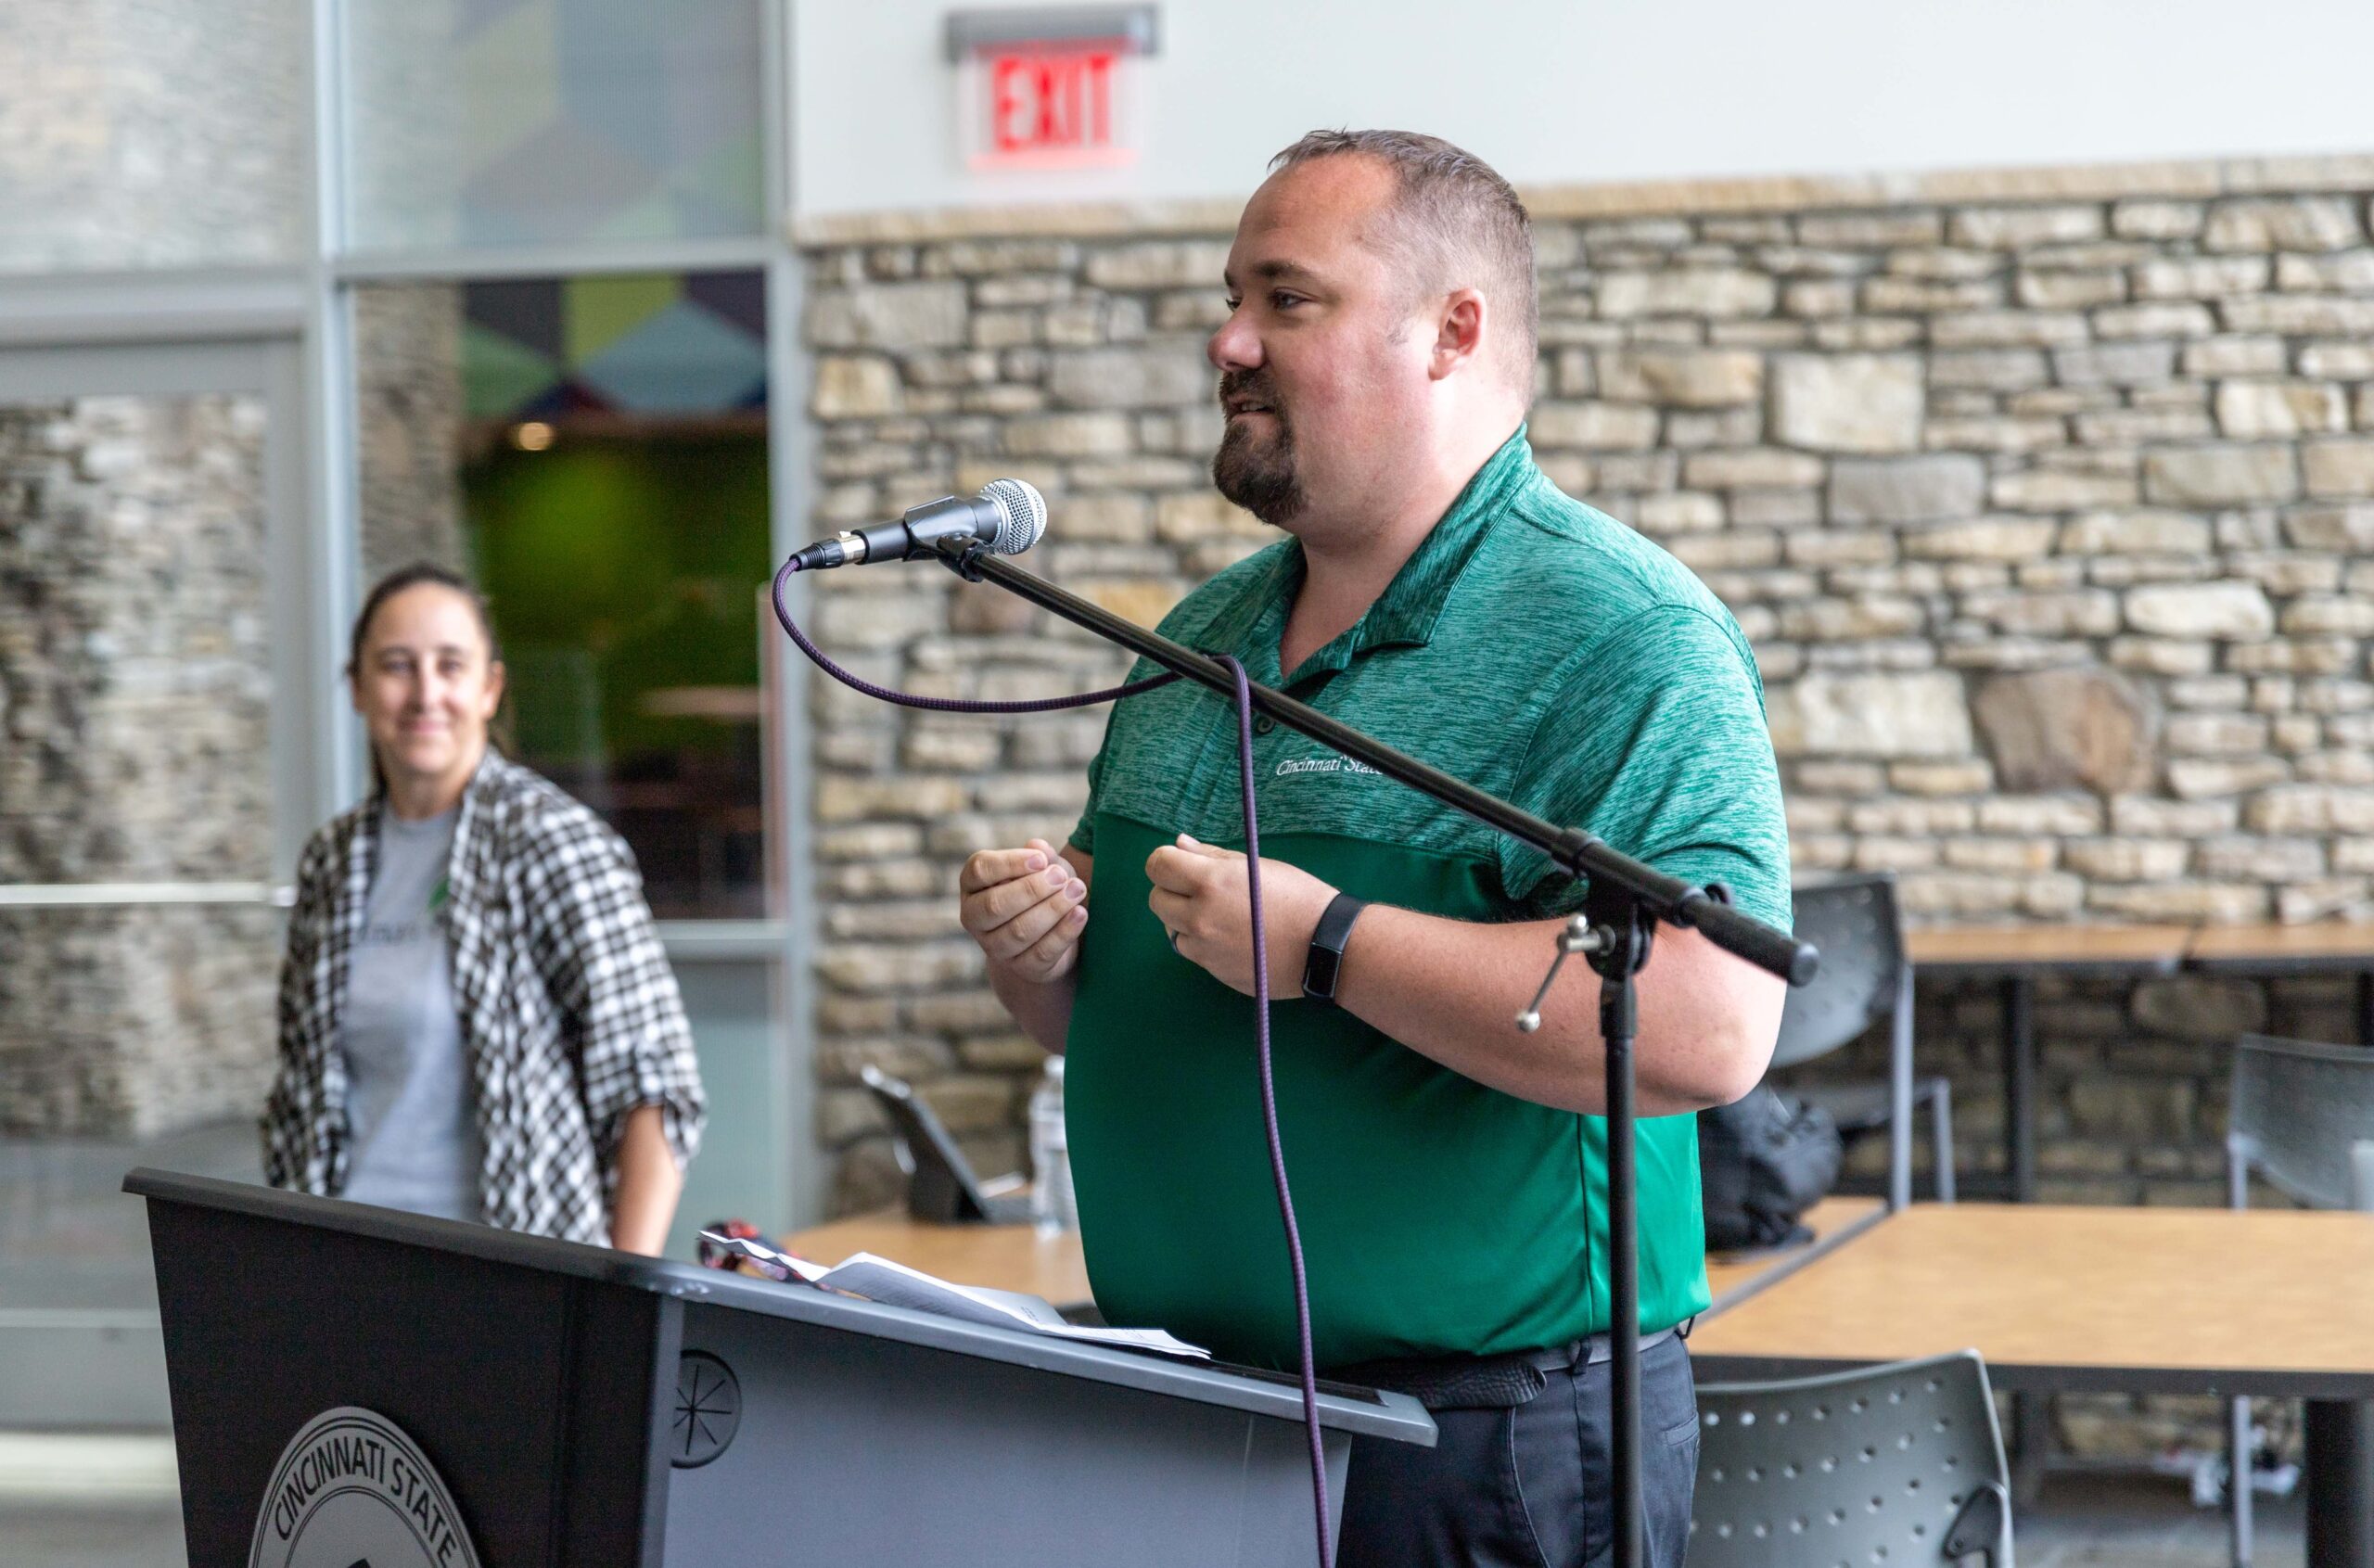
1899	1464
2299	1112
1853	920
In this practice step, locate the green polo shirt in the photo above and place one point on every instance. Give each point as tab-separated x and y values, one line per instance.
1534	647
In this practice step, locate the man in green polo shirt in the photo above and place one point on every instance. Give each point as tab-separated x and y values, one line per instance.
1440	593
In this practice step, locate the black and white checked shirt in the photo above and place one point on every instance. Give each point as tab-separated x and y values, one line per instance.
570	1014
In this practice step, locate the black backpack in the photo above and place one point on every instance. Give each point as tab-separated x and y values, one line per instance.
1762	1161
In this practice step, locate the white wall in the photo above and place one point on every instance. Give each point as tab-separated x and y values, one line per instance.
1568	91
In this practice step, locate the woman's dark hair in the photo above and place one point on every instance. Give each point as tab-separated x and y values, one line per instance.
414	576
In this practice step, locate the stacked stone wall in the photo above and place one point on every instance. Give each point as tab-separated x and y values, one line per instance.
134	707
2047	501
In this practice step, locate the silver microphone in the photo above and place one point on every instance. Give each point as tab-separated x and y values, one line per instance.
1007	518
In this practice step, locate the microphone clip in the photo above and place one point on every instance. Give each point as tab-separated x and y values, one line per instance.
965	561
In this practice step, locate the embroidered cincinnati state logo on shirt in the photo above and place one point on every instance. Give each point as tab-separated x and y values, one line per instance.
1291	766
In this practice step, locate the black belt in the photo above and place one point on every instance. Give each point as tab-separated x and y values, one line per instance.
1490	1382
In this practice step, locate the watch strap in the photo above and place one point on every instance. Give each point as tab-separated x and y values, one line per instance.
1325	965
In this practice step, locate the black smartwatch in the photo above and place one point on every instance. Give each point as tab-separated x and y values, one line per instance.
1325	965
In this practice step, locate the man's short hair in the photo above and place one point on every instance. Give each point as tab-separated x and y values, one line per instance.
1458	224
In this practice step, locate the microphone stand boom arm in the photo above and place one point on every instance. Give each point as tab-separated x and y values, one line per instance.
1624	902
1581	854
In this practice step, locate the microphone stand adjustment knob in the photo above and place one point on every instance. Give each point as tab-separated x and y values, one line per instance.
1579	936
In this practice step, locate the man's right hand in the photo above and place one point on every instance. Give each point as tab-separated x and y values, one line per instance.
1027	908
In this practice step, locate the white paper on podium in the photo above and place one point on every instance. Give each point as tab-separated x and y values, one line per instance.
894	1284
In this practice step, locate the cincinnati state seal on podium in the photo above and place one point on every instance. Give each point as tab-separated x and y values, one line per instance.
352	1491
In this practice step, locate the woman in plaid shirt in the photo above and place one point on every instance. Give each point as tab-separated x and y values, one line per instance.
476	1017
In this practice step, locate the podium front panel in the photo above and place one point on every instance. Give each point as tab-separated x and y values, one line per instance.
855	1449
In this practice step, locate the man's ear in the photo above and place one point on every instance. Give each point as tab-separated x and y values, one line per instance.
1459	332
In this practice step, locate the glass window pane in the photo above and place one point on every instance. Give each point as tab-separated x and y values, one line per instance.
507	122
594	451
152	136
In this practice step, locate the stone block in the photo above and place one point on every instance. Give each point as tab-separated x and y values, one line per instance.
1593	427
841	799
1160	265
2019	228
1983	539
2238	356
2070	290
2007	329
1068	435
1848	402
2139	363
1869	230
1821	714
2201	277
2319	616
2148	219
1144	602
2334	362
1205	515
2128	859
1987	370
2300	315
2201	609
2200	1007
2135	533
2221	476
2061	729
1913	296
2338	468
2217	735
1149	375
892	316
1682	377
1905	489
855	387
1707	291
2283	224
2047	490
2194	903
2256	410
1751	468
1968	776
2163	319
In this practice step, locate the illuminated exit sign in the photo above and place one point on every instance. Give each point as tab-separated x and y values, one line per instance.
1051	88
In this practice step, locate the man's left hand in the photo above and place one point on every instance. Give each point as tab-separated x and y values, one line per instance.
1200	895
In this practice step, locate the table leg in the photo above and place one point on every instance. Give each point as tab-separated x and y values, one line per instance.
2020	1085
2031	1445
2340	1483
2031	1414
2365	1007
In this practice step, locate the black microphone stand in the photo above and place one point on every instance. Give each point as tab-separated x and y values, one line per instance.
1622	902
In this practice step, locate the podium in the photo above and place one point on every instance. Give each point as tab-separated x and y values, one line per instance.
339	1368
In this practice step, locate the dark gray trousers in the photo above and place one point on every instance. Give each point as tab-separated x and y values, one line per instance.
1528	1485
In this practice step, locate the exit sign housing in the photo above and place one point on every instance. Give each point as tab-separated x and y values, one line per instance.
1051	88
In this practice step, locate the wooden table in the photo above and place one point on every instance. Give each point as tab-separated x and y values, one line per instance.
2263	1302
2325	947
1016	1258
1731	1280
1005	1257
2015	955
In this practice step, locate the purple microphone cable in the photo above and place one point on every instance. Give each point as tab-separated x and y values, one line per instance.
1261	963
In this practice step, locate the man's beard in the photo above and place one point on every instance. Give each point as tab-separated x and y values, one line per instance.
1256	475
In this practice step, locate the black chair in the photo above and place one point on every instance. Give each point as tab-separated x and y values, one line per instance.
1865	978
2302	1118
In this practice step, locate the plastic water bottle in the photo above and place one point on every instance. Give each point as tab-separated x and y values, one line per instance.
1051	1203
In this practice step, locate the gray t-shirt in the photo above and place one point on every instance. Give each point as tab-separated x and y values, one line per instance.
409	1103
